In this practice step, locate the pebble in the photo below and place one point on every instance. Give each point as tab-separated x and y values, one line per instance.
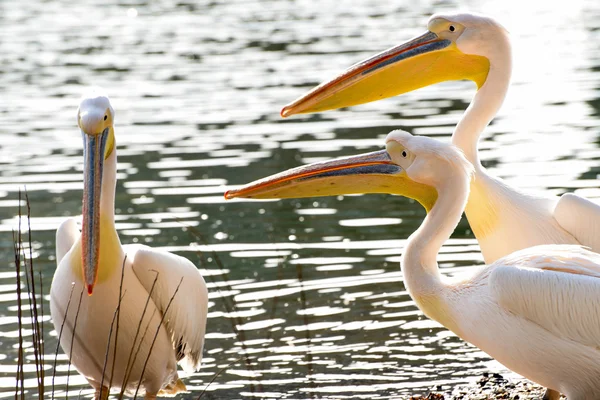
489	386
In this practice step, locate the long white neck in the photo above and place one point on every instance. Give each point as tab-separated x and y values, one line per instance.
485	104
419	262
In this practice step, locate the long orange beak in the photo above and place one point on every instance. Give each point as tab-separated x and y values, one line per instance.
420	62
366	173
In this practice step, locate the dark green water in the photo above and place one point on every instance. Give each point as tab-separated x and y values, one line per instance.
197	88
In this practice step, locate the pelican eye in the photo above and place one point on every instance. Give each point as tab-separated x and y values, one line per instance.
105	117
452	28
404	153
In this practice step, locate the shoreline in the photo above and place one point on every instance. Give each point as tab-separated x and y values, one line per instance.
488	386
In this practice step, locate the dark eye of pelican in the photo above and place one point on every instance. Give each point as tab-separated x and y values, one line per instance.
452	28
105	117
404	153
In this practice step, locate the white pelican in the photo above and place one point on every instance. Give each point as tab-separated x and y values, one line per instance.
474	47
94	261
535	310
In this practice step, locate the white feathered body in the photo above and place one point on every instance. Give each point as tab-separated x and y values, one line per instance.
179	336
536	311
161	298
506	220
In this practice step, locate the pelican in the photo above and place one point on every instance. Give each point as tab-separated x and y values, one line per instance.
476	48
160	320
527	309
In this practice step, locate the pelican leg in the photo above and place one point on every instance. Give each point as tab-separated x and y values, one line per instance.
551	395
101	393
149	396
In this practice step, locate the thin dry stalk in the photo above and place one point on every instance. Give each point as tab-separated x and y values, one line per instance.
231	308
72	342
35	322
309	357
62	325
142	341
31	320
129	366
235	320
112	324
43	345
112	372
155	336
24	264
18	244
217	374
275	303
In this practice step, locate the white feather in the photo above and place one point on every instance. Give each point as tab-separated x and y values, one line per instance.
185	319
66	236
142	350
536	310
555	287
581	218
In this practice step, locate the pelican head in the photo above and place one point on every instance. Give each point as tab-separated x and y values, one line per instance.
455	47
95	119
410	166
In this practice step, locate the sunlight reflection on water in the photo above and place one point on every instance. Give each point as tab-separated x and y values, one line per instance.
197	90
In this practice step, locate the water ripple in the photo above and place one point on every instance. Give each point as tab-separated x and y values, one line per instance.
306	296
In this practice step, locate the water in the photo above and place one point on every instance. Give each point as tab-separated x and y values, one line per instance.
197	90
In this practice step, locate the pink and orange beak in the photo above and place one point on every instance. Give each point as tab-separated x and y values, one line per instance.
93	153
366	173
420	62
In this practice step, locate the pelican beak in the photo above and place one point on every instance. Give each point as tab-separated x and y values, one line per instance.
93	155
420	62
366	173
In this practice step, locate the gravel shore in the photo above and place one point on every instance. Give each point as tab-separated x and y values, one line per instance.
489	386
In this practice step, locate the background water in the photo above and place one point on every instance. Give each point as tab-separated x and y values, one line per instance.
315	286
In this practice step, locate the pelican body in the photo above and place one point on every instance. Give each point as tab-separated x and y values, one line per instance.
535	310
477	48
160	319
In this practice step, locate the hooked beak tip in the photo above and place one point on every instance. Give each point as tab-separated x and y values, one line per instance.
90	289
285	112
228	195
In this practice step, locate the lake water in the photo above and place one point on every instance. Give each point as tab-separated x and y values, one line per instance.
311	286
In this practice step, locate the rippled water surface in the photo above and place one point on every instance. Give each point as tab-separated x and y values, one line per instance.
312	286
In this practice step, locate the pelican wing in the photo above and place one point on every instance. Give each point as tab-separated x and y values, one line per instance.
556	287
581	218
186	315
66	236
